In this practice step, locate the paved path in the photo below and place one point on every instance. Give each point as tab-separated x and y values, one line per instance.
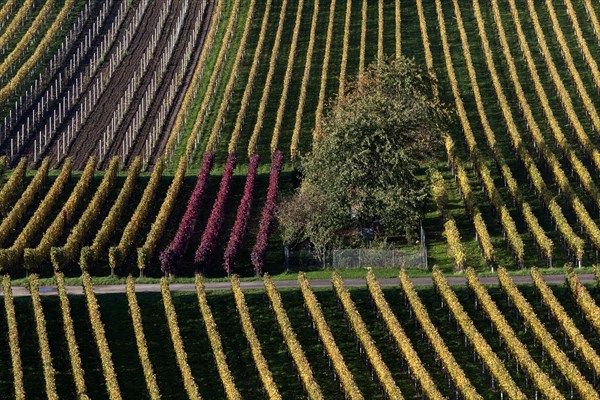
315	283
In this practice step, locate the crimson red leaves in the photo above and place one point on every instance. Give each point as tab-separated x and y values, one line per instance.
176	249
217	214
243	214
259	250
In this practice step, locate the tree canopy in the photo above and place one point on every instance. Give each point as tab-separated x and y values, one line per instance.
361	174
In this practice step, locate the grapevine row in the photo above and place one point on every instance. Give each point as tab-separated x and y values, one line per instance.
74	355
188	380
334	354
580	344
458	376
291	341
366	341
517	348
257	355
479	343
303	89
585	301
42	334
215	342
90	254
140	340
110	376
116	254
13	339
539	235
440	196
560	359
241	115
415	365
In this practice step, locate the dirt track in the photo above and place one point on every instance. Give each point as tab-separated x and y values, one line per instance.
315	283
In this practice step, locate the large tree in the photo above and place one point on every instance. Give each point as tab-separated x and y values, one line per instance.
362	171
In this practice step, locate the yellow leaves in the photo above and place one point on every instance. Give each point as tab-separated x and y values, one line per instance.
402	341
195	82
579	342
13	339
545	338
215	342
74	356
42	334
40	49
11	187
237	129
516	347
454	370
255	347
188	380
368	344
303	90
294	347
344	63
584	301
478	342
214	79
260	114
110	376
227	94
333	352
324	71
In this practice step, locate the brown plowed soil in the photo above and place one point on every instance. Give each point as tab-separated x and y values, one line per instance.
112	15
86	141
178	54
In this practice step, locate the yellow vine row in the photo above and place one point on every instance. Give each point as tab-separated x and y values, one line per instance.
91	253
140	340
368	344
402	341
13	339
311	303
110	376
255	347
133	227
584	300
480	344
347	20
15	22
579	342
42	334
237	129
157	229
541	380
295	348
440	196
215	342
538	233
213	81
186	372
74	355
574	242
34	257
560	359
218	124
324	72
16	214
11	187
262	106
40	50
68	252
193	87
303	89
458	376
